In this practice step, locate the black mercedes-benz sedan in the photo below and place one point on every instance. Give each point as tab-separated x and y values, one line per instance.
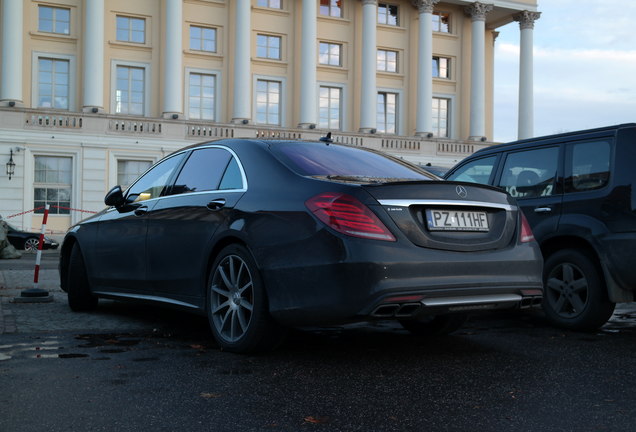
261	235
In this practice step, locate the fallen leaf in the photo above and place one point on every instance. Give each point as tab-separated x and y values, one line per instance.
316	420
210	395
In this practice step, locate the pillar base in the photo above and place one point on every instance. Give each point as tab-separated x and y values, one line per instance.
478	138
93	110
12	103
367	130
171	115
306	125
424	134
240	121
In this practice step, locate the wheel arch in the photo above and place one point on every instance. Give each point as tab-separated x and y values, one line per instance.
65	256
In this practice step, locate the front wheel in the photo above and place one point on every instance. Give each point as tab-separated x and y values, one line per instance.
435	325
238	310
575	295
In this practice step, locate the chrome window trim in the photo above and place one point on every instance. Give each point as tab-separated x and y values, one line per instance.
408	203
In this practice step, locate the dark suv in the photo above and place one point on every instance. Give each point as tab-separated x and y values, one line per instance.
576	190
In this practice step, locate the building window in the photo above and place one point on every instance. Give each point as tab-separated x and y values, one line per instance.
268	102
387	112
330	107
274	4
130	170
387	14
54	20
330	54
332	8
131	29
387	60
441	67
268	46
440	117
53	83
201	96
441	22
202	39
52	184
130	90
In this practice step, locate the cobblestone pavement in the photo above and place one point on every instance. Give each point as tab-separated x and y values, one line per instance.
55	315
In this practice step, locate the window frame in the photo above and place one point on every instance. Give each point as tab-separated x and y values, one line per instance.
130	19
387	22
215	31
282	102
54	21
448	117
54	185
341	101
72	77
329	55
147	85
436	65
269	4
398	110
386	62
330	7
217	92
440	14
268	47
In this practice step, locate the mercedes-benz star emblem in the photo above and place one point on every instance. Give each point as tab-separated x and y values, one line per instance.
461	191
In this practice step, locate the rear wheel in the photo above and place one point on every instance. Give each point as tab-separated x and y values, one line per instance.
238	310
575	295
80	297
435	325
31	244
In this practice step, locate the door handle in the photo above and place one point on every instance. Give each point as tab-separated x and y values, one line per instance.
542	210
141	211
216	204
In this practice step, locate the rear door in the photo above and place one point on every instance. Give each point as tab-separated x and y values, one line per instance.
532	177
183	223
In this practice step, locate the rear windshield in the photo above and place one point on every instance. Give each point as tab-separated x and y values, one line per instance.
338	161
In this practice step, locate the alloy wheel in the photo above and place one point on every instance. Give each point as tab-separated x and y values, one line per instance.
31	244
567	290
232	298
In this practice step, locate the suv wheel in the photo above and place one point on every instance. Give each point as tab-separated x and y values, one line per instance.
575	294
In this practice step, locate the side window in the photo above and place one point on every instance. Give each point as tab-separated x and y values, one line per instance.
530	173
202	171
153	183
477	171
232	179
587	166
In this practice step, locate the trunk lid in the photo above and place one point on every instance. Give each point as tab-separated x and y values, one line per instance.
448	215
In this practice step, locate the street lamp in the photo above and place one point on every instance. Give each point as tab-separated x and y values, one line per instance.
10	166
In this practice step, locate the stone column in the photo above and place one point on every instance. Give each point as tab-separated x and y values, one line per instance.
12	35
477	12
368	87
242	55
308	65
424	119
93	67
172	60
526	85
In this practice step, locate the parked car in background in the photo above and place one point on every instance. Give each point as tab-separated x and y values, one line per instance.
577	191
261	235
28	241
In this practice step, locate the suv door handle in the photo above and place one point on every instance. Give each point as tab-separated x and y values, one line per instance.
140	211
542	210
216	204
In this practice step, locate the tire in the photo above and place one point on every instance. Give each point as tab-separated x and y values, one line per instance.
31	244
435	325
575	295
238	310
80	297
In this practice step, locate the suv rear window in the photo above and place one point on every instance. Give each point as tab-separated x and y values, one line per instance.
318	159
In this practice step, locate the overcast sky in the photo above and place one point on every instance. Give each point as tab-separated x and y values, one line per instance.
584	68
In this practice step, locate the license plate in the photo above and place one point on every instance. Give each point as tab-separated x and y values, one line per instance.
456	220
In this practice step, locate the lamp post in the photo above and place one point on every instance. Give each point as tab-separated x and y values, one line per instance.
11	166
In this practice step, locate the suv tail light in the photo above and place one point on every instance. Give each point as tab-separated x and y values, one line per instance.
348	215
525	235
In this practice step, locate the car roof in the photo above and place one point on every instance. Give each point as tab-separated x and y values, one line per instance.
550	139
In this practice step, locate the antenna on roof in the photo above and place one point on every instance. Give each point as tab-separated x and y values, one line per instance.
326	139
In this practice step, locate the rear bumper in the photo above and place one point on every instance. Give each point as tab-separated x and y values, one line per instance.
378	280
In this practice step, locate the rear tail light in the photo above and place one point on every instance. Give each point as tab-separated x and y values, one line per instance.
348	215
525	235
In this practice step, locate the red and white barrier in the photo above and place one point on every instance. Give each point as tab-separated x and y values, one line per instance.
38	257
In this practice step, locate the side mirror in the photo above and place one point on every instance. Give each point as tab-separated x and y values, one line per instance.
114	197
